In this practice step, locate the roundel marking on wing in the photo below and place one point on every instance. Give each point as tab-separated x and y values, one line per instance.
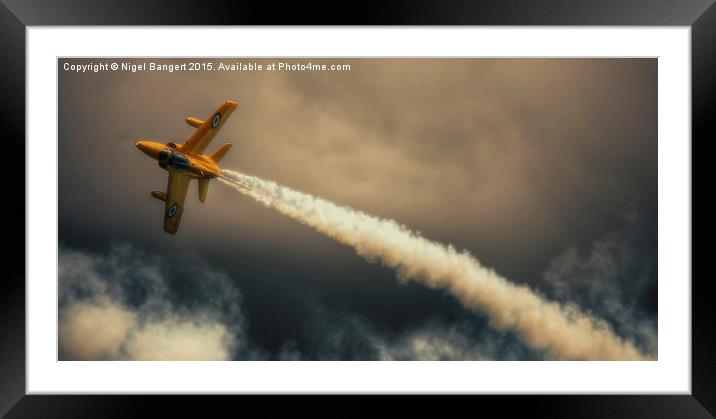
172	210
215	121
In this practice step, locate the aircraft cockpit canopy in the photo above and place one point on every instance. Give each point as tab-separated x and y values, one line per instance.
173	158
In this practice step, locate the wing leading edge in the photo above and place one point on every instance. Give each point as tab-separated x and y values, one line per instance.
177	187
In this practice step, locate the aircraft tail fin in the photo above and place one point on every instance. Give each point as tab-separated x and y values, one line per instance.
217	155
203	189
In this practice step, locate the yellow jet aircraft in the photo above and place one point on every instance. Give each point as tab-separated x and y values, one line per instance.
185	162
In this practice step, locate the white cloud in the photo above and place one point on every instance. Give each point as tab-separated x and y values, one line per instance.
118	307
177	340
94	330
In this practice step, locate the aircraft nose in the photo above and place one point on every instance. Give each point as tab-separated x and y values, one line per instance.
142	145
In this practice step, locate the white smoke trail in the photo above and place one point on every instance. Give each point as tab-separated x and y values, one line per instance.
562	332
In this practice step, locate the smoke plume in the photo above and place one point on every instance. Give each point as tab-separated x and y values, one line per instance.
562	332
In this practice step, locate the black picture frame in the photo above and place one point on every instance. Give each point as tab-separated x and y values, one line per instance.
15	15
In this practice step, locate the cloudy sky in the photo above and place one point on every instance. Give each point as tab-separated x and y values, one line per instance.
544	169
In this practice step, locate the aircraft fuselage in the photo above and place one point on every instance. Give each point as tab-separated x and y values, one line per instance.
198	166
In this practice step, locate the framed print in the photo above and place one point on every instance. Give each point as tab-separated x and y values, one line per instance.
501	208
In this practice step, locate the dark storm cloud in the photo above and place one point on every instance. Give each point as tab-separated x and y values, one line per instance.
123	305
513	160
615	278
339	335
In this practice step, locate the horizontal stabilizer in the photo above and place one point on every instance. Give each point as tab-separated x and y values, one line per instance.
159	195
194	122
203	189
217	155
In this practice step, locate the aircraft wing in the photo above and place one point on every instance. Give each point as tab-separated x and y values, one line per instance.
206	130
174	203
